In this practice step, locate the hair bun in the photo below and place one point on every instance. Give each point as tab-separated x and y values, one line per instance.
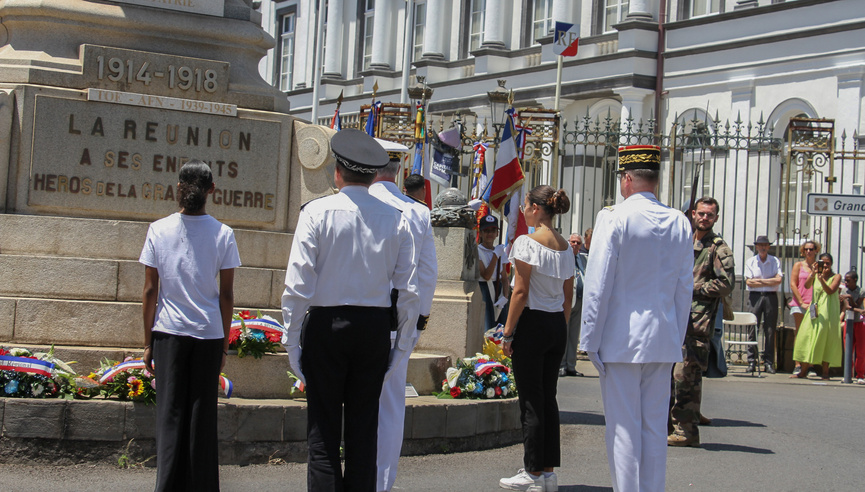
559	202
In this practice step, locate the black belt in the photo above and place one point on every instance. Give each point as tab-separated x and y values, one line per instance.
349	307
762	293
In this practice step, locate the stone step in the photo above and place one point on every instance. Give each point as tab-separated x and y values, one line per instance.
76	323
61	432
454	327
37	235
253	378
69	278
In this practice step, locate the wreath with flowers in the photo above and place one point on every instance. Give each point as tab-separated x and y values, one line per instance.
484	376
24	374
127	381
254	335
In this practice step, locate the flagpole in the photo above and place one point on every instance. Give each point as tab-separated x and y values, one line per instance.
558	81
316	65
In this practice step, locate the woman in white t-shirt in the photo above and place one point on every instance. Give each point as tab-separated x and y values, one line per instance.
188	299
535	335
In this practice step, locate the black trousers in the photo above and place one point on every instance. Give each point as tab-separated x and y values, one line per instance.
539	344
764	305
344	358
187	381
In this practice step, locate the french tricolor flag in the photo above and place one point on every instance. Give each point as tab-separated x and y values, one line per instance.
508	175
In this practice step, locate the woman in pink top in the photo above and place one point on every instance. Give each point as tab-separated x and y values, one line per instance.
802	294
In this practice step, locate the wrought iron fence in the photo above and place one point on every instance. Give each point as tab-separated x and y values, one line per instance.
760	180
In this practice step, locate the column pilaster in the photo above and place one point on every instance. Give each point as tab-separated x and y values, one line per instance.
381	35
433	43
333	53
494	25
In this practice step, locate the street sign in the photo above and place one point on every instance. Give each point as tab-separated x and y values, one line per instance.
567	39
835	205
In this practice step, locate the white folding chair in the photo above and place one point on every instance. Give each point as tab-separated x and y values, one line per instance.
736	333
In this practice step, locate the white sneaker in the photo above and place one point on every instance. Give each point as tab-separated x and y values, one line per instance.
860	381
551	483
523	480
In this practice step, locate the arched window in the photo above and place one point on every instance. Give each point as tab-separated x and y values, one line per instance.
796	182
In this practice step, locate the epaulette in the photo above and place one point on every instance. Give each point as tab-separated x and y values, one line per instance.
718	240
307	203
608	208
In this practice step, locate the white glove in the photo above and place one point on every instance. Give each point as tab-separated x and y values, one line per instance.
500	252
476	204
294	362
395	359
500	303
596	361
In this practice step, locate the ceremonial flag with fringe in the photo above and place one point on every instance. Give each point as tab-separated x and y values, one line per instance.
419	149
479	184
516	220
336	122
372	119
508	174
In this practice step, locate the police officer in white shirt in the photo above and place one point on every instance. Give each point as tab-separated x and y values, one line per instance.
391	412
349	250
636	303
762	279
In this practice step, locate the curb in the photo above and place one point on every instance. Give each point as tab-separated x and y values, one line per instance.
63	432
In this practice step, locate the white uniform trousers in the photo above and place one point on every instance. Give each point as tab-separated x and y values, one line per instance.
391	418
636	402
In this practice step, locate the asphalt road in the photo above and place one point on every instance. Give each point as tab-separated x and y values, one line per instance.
769	434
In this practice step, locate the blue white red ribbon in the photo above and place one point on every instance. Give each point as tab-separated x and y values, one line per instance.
26	364
118	368
299	385
226	385
483	368
258	324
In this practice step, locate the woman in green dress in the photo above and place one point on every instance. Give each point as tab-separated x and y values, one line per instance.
819	338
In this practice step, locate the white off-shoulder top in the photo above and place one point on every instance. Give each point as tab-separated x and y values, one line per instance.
550	268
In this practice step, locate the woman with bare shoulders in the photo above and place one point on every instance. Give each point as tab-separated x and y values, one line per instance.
798	279
819	339
535	334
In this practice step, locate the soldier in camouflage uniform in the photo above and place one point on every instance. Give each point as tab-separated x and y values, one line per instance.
713	280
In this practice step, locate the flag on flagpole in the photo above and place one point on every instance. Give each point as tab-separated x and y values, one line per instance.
523	133
372	118
479	184
508	174
516	220
483	211
445	160
418	166
566	41
336	122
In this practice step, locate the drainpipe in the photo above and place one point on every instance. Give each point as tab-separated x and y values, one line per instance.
659	78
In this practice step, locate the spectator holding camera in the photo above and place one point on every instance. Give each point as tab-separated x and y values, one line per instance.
819	337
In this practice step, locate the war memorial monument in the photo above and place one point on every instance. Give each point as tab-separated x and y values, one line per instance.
101	103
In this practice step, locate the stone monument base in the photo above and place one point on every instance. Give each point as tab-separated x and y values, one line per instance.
61	432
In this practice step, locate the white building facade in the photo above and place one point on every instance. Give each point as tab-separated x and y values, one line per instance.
757	62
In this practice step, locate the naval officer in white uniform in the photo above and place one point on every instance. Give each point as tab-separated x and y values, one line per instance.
391	411
636	302
349	251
